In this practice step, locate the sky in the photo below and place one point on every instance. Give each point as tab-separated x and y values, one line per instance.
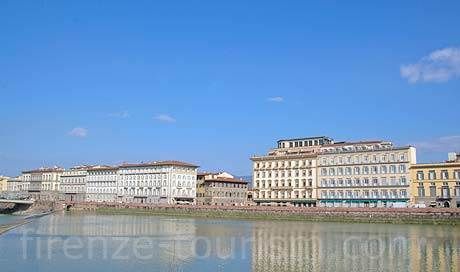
216	82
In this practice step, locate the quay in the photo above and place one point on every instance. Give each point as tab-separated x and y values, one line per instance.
449	216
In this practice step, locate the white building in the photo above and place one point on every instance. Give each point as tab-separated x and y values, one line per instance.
43	182
287	174
73	184
101	183
364	174
157	182
17	185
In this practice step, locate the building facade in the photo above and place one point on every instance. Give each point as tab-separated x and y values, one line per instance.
221	189
73	184
101	183
364	174
287	174
167	182
44	183
17	185
3	183
436	184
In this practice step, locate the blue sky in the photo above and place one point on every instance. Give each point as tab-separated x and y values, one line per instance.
214	83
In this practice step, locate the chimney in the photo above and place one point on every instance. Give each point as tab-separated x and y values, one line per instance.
453	157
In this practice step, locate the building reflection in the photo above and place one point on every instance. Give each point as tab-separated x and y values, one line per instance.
168	242
294	246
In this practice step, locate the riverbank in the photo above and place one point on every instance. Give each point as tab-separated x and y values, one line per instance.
352	215
25	215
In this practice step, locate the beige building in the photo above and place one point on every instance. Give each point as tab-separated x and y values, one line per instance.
3	183
436	184
43	182
364	174
287	174
221	189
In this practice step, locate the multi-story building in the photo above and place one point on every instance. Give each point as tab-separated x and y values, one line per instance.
221	189
3	183
364	174
101	183
73	184
436	184
17	185
168	182
287	174
43	182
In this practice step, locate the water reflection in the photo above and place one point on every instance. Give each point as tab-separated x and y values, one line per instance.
148	243
292	246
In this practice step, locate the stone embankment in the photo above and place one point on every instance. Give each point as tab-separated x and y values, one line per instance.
365	215
27	213
7	208
39	207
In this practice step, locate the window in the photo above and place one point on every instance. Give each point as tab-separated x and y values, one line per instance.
348	170
392	157
457	174
383	169
444	174
392	169
402	168
431	175
357	171
403	181
374	169
366	170
432	191
340	171
420	175
403	193
445	192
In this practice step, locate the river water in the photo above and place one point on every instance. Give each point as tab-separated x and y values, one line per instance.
6	219
90	242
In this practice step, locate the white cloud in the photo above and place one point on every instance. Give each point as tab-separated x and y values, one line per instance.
439	66
165	118
277	99
441	144
121	114
79	132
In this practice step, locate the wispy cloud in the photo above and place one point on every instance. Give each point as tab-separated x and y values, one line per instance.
121	114
165	118
441	144
277	99
439	66
79	132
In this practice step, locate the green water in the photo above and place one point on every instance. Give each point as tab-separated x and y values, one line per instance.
6	219
89	242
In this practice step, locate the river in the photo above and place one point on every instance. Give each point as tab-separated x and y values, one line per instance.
90	242
7	219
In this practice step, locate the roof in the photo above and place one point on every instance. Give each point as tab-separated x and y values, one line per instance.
101	167
212	173
44	170
354	143
305	138
435	164
229	180
158	163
